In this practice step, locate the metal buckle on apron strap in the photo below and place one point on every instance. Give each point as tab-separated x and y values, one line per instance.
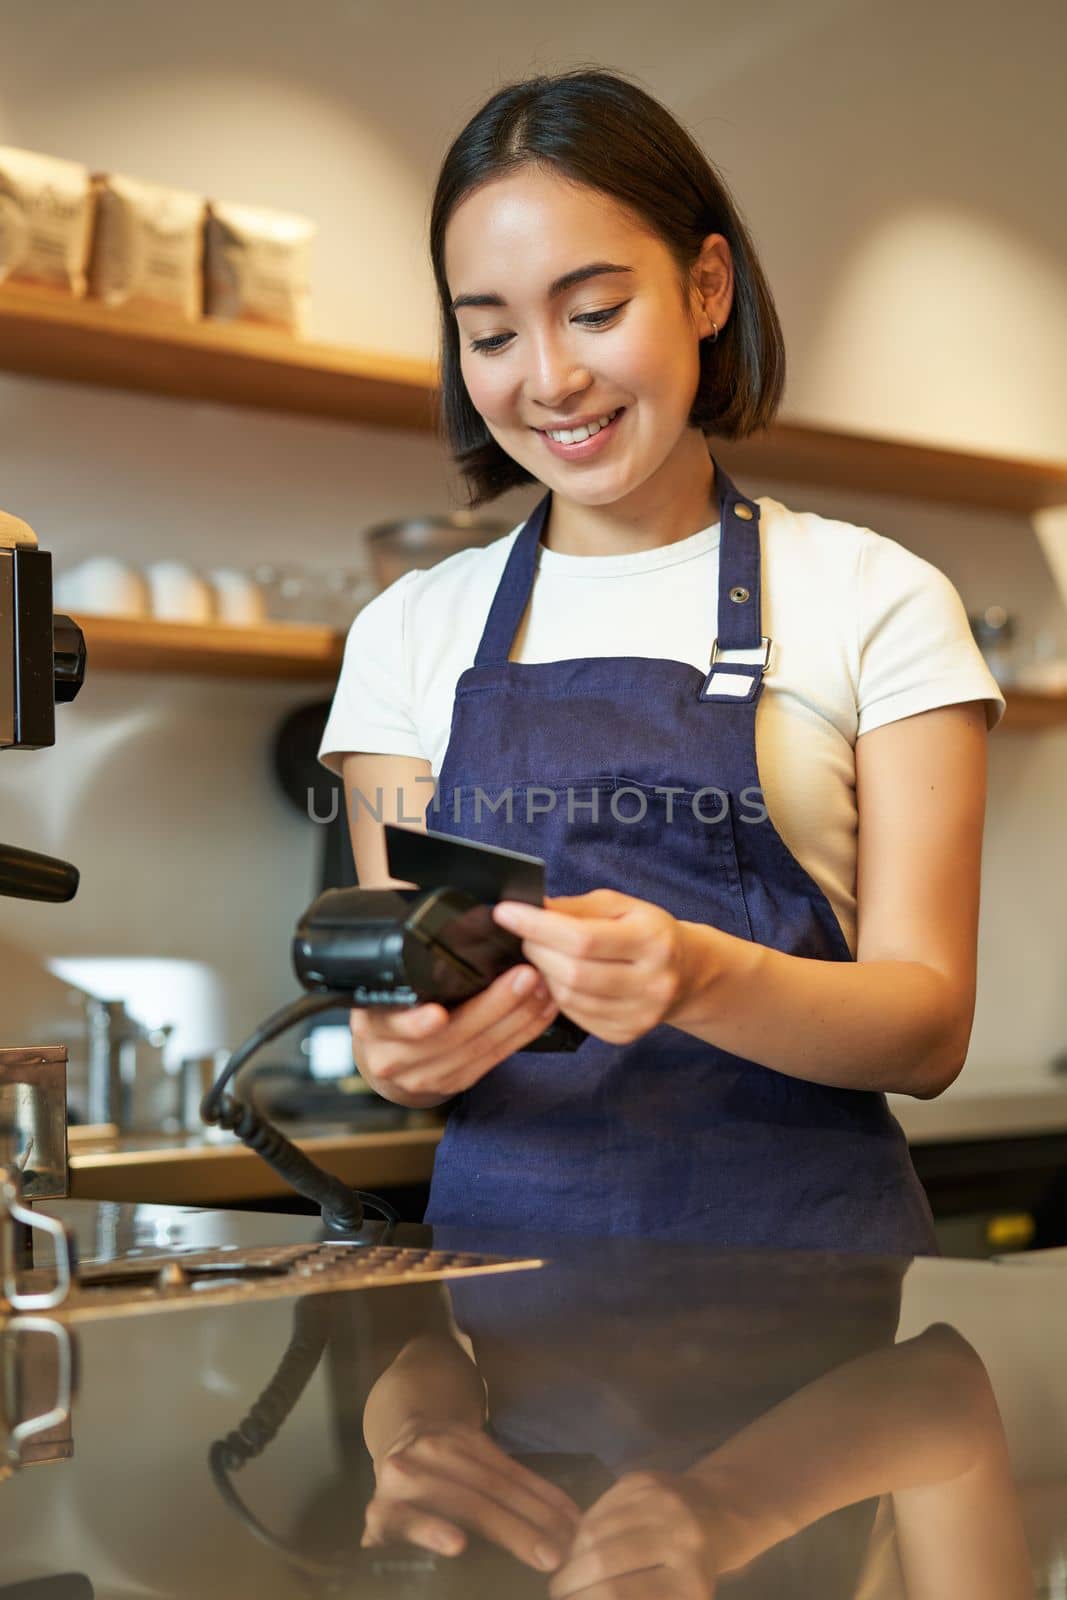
735	680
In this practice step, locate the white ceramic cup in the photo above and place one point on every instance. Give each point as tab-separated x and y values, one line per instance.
103	586
178	593
238	597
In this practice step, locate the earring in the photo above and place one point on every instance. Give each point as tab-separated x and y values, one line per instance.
711	337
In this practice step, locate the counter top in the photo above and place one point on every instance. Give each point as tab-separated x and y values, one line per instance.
788	1421
1030	1106
212	1167
200	1168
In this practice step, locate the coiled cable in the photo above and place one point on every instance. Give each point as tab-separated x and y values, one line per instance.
341	1206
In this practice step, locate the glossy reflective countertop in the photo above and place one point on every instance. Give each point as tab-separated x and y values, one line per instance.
810	1425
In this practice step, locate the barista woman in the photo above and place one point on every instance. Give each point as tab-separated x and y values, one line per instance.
749	742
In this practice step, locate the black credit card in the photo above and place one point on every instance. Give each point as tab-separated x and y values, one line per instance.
484	871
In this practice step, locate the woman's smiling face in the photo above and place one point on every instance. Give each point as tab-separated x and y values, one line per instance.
550	354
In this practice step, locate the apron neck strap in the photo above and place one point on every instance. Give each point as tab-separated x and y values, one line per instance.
739	568
738	615
513	591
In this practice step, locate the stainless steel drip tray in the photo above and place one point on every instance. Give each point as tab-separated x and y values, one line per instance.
232	1274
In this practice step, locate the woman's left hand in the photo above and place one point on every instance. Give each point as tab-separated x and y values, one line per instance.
615	965
649	1537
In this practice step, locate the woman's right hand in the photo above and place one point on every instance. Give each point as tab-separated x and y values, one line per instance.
438	1480
422	1055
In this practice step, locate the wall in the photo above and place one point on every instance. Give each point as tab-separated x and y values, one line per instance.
897	169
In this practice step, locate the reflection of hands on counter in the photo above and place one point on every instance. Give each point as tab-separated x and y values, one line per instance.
917	1421
438	1472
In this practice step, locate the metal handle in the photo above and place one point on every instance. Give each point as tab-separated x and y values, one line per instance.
13	1211
44	1421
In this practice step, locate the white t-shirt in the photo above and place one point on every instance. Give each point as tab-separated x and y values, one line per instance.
864	632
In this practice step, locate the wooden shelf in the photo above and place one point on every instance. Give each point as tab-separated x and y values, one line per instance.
293	651
1029	711
826	458
48	335
304	651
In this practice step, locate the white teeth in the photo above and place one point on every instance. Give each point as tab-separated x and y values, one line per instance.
576	435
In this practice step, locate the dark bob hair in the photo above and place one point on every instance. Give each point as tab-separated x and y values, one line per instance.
595	128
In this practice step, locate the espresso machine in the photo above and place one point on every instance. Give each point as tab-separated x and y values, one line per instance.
42	664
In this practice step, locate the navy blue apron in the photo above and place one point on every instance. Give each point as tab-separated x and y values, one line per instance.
639	774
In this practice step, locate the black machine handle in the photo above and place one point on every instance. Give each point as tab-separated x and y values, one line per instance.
68	658
25	875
